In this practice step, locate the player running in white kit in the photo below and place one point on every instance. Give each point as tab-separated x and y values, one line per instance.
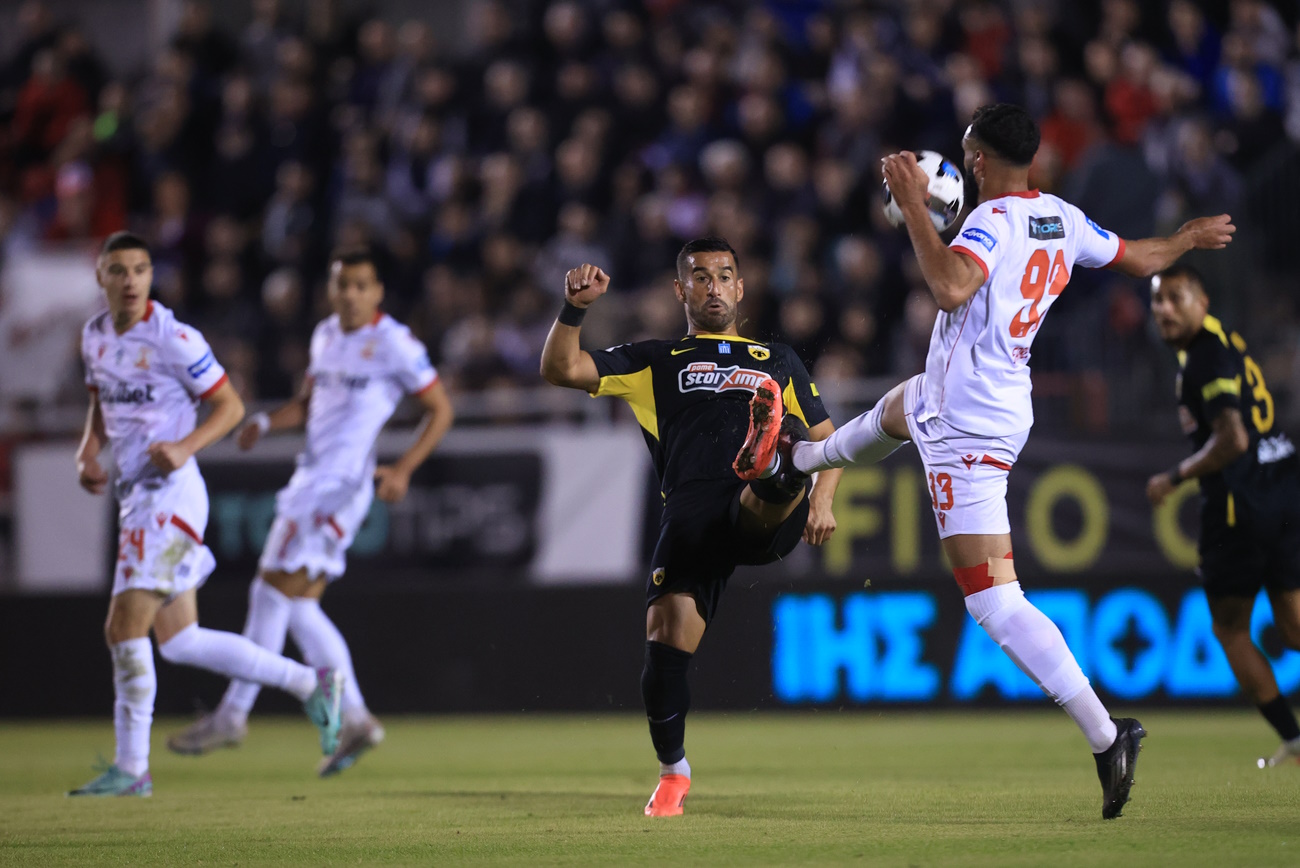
970	413
363	363
146	374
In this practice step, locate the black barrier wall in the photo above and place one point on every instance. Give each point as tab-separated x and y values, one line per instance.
773	645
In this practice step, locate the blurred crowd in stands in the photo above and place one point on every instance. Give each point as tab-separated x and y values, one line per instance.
481	165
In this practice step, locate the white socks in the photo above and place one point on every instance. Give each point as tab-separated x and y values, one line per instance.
681	767
322	644
134	686
267	625
860	441
1036	645
234	656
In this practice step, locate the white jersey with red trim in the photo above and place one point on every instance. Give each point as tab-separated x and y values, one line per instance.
357	380
149	382
977	368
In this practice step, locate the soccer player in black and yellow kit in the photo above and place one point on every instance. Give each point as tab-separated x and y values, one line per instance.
1250	484
692	399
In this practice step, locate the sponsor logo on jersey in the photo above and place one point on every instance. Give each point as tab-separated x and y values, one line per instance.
762	354
201	367
708	377
1102	232
1043	228
979	236
679	352
124	394
342	381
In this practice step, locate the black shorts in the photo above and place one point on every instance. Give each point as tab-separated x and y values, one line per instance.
701	543
1253	544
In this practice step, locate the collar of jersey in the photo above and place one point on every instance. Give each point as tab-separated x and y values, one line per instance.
1019	194
722	338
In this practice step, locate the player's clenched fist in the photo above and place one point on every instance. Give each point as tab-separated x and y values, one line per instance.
585	284
168	457
908	182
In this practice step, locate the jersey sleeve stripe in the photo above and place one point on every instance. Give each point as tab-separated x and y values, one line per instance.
638	390
1221	386
186	529
980	262
1119	254
426	387
213	388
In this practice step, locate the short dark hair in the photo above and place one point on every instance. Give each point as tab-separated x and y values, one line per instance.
1008	130
123	241
1183	270
354	256
708	244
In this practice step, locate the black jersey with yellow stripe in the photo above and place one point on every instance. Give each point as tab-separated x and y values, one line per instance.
1216	373
691	397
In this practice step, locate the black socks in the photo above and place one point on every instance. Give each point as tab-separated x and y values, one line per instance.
667	698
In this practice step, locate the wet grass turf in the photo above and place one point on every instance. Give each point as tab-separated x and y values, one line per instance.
824	788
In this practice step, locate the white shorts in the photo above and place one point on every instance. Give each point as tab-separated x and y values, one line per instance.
316	519
966	474
160	539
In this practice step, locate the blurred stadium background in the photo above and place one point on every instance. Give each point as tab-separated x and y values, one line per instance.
482	147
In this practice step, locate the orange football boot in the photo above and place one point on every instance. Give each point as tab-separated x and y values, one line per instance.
668	797
765	412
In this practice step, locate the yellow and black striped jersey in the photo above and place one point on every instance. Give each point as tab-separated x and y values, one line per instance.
1216	374
691	397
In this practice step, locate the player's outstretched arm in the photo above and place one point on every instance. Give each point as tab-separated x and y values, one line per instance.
393	480
290	415
227	410
1228	441
952	277
564	362
821	519
1148	256
90	475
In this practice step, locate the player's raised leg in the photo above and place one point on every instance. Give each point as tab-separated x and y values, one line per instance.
865	439
181	640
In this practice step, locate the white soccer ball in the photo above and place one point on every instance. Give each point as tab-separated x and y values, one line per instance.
947	191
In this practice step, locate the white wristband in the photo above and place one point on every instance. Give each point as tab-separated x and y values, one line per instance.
262	421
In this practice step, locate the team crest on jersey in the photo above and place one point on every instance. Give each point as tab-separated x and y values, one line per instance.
368	351
657	576
142	362
709	377
762	354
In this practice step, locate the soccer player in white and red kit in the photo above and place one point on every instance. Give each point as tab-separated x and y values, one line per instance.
146	373
970	413
363	362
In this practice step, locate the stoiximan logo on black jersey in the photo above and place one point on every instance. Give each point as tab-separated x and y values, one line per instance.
708	377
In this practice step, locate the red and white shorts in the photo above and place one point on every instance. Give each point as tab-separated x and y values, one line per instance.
316	520
966	474
160	536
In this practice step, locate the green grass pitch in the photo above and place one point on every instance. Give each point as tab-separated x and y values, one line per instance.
816	788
